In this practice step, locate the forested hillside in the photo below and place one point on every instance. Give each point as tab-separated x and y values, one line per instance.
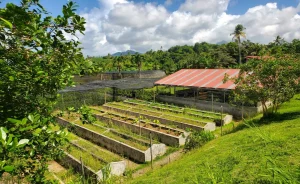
200	55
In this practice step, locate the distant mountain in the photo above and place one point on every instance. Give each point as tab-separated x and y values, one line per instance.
222	42
128	52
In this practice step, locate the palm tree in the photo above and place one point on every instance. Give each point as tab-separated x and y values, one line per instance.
278	40
118	63
138	59
237	34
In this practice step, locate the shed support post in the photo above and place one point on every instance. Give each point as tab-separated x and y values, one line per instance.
175	91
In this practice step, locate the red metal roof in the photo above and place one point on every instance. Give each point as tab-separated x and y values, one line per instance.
200	78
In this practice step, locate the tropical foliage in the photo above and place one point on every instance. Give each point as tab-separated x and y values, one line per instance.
200	55
237	35
270	82
36	60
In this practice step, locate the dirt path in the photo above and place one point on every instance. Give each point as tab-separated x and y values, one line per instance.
160	163
54	168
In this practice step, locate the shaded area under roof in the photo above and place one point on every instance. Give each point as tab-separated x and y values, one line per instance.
200	78
126	83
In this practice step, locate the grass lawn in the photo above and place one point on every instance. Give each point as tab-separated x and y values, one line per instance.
264	151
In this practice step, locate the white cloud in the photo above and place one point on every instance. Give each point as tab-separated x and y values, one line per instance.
168	2
118	25
204	6
139	16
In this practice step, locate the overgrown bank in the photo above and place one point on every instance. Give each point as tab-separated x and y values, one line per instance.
264	152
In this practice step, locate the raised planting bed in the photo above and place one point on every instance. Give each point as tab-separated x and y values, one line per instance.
94	162
88	159
107	132
74	163
171	120
226	118
187	112
113	143
162	133
157	104
62	174
113	168
97	151
160	113
105	154
201	117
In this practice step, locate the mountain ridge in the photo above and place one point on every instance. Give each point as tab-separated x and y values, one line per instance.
128	52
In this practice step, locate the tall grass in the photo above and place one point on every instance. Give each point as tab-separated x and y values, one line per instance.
260	151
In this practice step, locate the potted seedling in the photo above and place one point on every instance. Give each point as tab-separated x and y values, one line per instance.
69	110
60	114
135	121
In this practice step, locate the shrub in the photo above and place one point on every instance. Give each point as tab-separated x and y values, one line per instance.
86	115
197	139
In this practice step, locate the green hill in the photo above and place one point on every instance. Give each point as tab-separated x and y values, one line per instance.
267	151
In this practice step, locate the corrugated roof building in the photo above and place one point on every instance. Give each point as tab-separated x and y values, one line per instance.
201	78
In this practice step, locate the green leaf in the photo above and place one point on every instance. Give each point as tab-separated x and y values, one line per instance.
37	132
40	72
22	142
9	141
8	168
7	23
15	142
13	120
3	134
11	78
31	118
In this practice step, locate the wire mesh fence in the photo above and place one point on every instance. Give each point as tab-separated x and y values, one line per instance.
78	98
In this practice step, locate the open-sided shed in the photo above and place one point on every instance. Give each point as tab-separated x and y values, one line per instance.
203	84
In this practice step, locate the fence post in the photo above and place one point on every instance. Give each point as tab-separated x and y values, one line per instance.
151	150
82	170
140	124
212	101
63	102
104	95
221	120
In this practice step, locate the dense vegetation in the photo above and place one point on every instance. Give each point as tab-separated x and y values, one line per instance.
200	55
262	151
273	80
36	60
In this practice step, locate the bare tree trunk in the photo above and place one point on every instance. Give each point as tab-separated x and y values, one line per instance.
139	73
265	109
240	57
140	66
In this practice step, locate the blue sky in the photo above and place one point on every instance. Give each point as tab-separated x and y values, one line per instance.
141	25
235	6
